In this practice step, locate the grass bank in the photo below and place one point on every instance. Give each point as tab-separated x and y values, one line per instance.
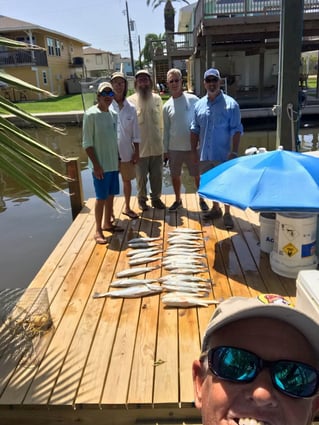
58	104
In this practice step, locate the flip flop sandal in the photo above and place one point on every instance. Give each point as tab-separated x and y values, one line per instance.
131	214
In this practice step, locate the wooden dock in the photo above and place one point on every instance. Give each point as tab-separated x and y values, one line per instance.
124	361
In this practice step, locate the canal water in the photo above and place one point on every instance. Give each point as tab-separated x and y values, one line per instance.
30	229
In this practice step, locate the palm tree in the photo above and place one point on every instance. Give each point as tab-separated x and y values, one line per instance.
169	22
169	12
19	152
153	43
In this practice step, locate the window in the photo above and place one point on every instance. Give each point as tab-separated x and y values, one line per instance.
54	47
26	39
44	77
50	44
57	48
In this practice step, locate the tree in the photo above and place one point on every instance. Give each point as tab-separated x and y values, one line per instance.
19	152
152	43
169	12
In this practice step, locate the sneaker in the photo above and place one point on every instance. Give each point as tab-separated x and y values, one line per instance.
228	221
203	205
157	203
213	214
143	205
175	206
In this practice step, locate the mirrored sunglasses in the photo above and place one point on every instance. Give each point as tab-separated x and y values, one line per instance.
105	93
292	378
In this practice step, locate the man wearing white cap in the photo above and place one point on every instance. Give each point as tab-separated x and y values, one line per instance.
149	108
258	365
215	133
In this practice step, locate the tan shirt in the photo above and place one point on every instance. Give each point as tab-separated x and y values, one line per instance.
150	121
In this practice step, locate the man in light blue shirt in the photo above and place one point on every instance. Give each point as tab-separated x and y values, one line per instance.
215	133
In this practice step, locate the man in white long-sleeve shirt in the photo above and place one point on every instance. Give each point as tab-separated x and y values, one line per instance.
128	137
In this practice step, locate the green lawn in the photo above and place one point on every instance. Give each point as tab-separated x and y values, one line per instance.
61	104
58	104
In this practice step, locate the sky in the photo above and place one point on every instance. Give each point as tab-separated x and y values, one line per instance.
100	23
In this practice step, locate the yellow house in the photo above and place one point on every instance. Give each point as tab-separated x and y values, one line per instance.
57	68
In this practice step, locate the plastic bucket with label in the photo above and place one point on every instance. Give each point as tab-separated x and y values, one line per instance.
267	231
294	244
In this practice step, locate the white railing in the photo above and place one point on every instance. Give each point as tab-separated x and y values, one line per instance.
231	8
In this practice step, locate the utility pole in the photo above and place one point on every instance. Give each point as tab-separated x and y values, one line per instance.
130	38
139	51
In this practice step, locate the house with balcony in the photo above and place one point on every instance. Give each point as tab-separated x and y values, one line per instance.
57	68
239	37
100	63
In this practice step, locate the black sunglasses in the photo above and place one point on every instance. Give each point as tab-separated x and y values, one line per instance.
174	81
105	93
290	377
211	80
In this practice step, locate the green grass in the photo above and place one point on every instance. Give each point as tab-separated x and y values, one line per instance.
312	82
59	104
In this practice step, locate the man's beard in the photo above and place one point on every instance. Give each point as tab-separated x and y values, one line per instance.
144	92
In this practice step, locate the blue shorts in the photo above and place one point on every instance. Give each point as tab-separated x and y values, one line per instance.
107	186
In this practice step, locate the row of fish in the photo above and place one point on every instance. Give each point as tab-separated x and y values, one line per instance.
182	259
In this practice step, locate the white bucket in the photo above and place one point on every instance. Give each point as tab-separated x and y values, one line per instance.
267	231
294	244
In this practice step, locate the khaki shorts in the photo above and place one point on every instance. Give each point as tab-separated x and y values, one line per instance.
176	161
127	170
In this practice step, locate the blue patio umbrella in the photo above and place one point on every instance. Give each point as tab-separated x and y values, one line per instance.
272	181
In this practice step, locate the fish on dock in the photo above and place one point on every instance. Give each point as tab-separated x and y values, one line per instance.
146	254
185	242
182	260
186	230
131	292
182	249
183	254
138	245
186	283
136	271
144	239
143	260
185	270
187	236
200	292
136	251
181	300
124	283
185	277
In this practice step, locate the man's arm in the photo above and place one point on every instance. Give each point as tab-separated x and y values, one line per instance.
194	145
97	169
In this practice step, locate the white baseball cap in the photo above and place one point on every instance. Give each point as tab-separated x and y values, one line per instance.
212	72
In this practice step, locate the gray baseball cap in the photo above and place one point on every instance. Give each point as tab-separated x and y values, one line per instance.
266	305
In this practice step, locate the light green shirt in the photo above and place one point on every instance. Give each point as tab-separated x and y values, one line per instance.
100	132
